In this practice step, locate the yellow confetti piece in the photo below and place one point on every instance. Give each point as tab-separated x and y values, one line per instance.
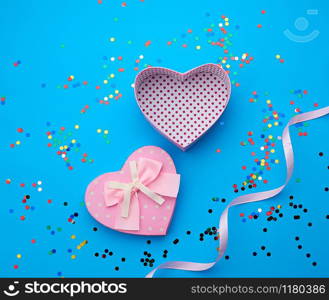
76	126
198	47
18	142
73	236
73	256
99	130
106	131
112	39
19	256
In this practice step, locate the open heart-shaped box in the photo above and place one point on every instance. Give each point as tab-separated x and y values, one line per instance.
183	106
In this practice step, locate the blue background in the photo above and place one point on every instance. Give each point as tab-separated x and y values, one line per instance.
56	39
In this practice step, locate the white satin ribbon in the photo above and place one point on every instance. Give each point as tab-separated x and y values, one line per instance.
133	187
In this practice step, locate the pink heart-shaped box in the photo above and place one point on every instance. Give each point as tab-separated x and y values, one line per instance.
154	218
183	106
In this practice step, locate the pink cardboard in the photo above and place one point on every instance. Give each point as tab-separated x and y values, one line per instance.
183	106
154	218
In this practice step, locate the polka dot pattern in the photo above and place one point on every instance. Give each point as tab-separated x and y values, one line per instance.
183	106
154	218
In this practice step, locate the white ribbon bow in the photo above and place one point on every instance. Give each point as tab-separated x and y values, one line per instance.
133	187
